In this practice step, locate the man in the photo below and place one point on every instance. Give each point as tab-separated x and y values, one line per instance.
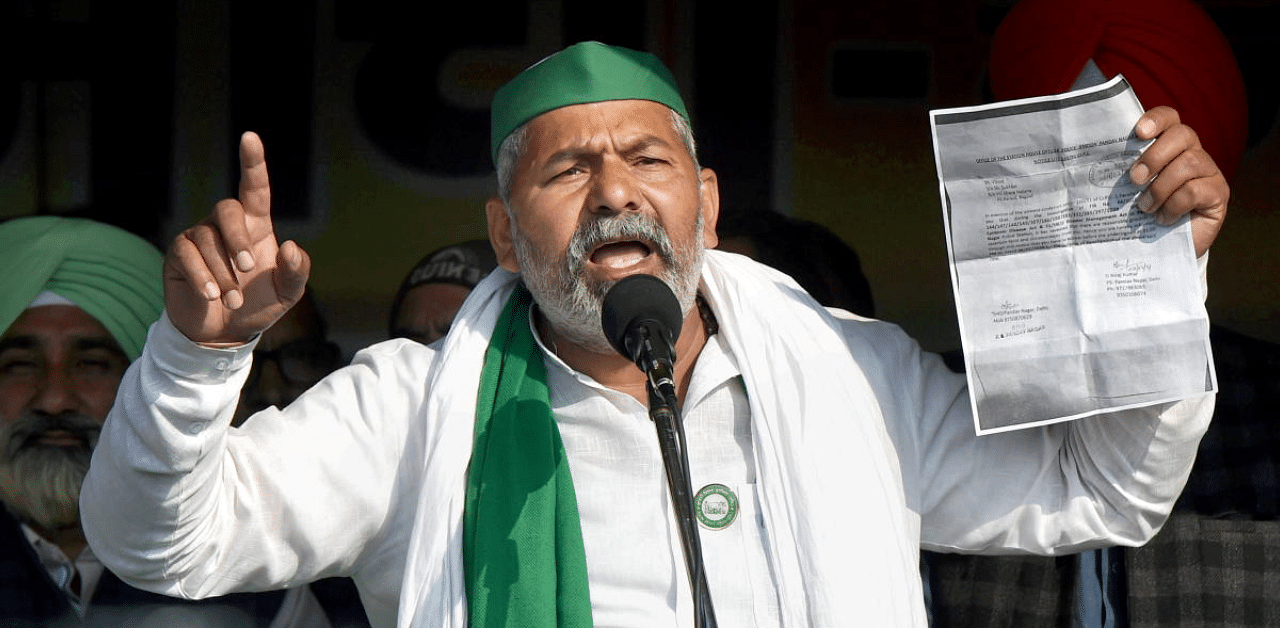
433	291
439	477
75	303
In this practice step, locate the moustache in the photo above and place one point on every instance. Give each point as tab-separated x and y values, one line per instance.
614	227
27	431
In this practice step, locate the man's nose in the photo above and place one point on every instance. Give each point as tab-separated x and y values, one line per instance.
614	188
56	393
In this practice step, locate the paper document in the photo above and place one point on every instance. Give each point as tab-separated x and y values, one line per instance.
1072	302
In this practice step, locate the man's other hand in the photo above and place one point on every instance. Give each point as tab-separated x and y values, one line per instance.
1184	178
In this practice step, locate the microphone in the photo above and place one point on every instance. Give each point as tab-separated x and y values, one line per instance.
641	319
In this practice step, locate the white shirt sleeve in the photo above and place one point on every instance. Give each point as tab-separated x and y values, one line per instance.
178	502
1104	480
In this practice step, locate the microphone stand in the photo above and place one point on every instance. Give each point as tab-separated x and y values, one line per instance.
666	418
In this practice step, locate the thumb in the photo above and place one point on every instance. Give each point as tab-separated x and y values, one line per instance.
293	268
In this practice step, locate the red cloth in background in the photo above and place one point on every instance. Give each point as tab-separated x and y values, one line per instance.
1170	51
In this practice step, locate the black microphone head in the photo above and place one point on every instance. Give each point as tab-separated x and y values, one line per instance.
639	300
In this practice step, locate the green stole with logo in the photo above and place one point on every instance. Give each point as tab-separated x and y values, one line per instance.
523	557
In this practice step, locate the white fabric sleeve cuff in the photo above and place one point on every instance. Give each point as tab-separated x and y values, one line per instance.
177	355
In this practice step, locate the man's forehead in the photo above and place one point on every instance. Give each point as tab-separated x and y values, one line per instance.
624	122
56	320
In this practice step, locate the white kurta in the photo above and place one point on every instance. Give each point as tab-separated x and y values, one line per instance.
862	447
635	561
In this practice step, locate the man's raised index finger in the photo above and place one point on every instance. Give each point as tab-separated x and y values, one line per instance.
255	188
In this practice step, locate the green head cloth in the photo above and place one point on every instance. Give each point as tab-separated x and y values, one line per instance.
111	274
582	73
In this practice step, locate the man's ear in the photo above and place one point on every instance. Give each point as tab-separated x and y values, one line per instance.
499	221
709	191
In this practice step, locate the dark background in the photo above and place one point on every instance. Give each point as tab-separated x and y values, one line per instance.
375	120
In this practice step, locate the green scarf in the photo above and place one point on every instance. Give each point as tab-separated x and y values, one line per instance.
523	556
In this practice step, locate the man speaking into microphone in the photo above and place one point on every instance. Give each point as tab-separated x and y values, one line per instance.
509	475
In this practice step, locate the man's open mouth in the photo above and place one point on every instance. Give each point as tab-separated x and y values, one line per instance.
621	253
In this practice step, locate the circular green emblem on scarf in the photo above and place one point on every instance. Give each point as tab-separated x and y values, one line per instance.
715	506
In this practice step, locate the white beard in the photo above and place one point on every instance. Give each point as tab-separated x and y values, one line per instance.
571	299
40	484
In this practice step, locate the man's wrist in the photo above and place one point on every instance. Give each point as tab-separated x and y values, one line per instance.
173	351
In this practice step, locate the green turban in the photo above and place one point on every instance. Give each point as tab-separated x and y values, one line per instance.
582	73
111	274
